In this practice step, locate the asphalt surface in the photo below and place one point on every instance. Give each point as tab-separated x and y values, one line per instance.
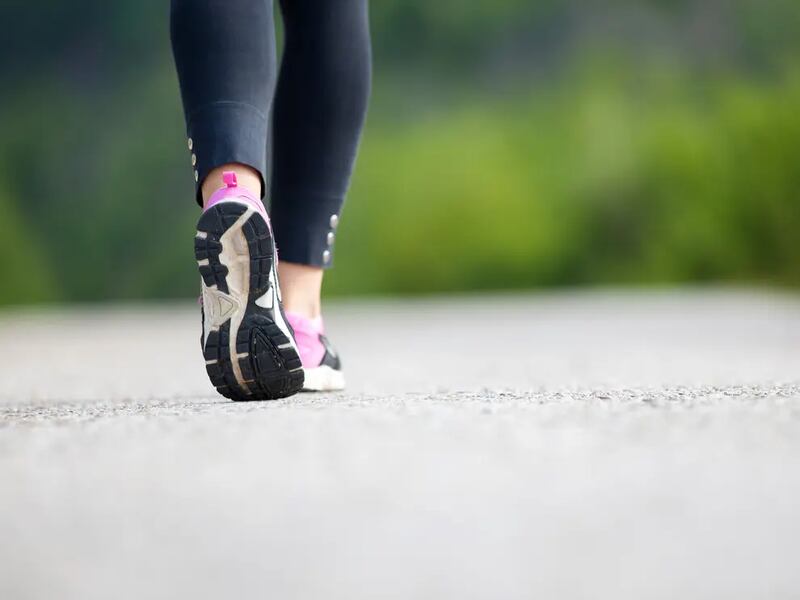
600	445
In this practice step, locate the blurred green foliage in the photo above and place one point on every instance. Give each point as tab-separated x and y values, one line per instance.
510	144
596	181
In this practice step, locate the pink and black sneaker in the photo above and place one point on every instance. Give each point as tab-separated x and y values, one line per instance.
323	369
247	342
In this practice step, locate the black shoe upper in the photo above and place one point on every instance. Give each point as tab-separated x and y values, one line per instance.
331	357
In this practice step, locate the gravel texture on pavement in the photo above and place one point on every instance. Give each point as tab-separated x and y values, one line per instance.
612	444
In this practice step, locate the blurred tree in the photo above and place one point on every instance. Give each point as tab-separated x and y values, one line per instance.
530	143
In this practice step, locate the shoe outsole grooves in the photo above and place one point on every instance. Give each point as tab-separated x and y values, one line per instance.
267	360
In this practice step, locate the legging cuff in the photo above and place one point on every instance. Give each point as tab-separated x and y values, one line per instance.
305	236
226	132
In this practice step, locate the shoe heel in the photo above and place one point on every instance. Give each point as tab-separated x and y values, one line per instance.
249	352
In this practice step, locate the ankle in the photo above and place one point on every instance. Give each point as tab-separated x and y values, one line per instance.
301	289
247	178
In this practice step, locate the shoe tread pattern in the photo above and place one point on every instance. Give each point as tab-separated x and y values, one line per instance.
270	371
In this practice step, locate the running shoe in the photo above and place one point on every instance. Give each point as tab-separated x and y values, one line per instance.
321	363
247	342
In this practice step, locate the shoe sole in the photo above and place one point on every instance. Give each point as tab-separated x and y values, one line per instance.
323	379
249	351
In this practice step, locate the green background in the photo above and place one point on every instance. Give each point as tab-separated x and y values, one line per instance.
510	144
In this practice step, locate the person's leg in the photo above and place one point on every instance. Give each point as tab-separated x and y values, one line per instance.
225	57
224	53
320	105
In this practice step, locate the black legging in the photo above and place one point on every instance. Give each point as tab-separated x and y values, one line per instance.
225	55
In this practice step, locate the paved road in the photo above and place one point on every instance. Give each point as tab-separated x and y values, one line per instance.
604	445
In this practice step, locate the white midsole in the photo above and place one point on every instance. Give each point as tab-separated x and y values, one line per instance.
323	379
235	256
